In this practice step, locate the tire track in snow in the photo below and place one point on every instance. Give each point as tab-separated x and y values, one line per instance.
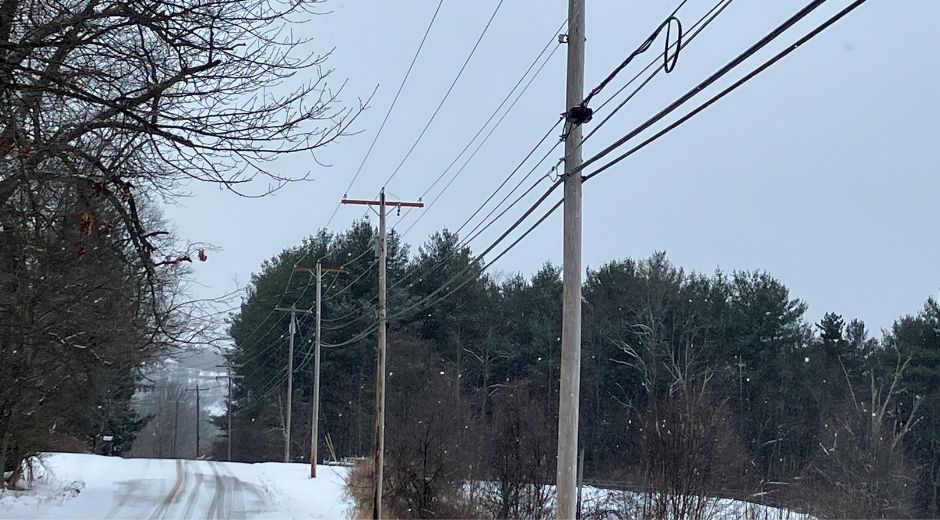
215	508
160	512
193	495
235	496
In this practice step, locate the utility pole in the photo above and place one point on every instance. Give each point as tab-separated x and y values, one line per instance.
198	416
380	353
228	414
290	373
176	423
566	480
230	376
315	412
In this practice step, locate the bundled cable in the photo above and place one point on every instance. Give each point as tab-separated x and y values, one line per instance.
581	113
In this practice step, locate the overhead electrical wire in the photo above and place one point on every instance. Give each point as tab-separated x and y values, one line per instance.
851	7
697	28
760	44
391	107
340	318
642	48
359	170
281	377
374	140
773	35
700	25
667	24
446	95
485	223
254	356
551	41
399	281
733	64
508	96
678	44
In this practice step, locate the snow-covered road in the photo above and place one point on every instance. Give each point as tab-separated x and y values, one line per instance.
78	486
201	490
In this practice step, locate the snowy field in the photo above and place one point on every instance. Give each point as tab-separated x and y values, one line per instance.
78	486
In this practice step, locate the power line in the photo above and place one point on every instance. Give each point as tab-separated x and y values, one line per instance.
390	108
470	143
667	24
706	83
486	222
259	340
696	29
446	95
552	40
462	243
764	66
677	44
340	318
528	155
282	379
397	94
773	35
476	231
378	133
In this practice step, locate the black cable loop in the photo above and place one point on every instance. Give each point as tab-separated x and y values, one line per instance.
581	114
667	68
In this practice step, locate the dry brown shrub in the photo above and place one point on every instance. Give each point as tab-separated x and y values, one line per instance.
359	488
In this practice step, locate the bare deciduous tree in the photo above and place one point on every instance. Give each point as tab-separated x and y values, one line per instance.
105	107
133	97
860	470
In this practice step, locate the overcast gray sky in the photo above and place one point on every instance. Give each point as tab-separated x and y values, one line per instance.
821	171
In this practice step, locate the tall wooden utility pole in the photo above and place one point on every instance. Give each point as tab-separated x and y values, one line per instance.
380	354
315	413
290	373
566	482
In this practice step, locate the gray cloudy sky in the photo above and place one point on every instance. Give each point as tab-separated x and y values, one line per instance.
821	170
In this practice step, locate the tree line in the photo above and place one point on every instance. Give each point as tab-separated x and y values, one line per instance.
692	385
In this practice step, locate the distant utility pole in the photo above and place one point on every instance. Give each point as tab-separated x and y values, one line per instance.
198	416
230	376
566	481
380	353
315	413
290	373
176	424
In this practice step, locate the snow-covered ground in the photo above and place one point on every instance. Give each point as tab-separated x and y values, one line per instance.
80	486
600	503
609	504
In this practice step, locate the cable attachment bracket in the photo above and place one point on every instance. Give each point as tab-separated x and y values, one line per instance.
579	114
552	174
